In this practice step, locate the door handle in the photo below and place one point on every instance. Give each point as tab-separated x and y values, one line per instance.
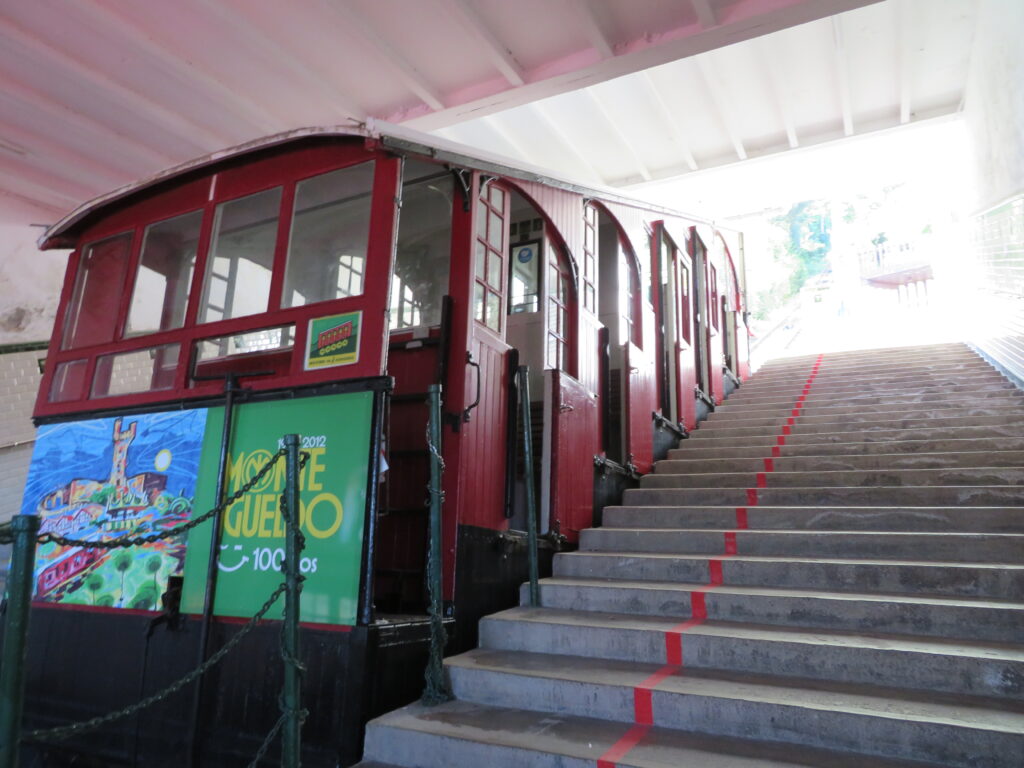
565	408
455	420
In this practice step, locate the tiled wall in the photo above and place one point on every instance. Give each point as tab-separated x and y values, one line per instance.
19	381
998	251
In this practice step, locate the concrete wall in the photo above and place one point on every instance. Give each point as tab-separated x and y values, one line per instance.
30	283
994	114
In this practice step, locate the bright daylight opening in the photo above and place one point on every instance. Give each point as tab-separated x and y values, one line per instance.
853	245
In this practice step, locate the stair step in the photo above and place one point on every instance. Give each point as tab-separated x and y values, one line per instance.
963	392
938	617
873	462
700	451
461	733
861	575
880	496
889	545
887	723
812	426
826	376
769	437
902	412
725	414
861	478
834	518
879	388
906	383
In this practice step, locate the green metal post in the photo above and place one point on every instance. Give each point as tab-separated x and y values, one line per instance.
12	663
523	374
291	749
436	690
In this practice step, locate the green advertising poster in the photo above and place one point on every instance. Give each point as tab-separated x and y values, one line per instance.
335	431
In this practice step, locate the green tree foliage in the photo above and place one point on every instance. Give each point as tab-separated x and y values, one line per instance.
809	228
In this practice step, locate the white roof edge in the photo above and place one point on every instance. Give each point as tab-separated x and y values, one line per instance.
372	129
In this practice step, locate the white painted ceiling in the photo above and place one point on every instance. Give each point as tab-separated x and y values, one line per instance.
95	94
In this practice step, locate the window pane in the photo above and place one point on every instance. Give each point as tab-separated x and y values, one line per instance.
68	381
330	231
481	220
99	285
481	259
237	280
494	230
493	311
497	198
165	274
588	294
424	247
144	370
478	302
263	340
494	270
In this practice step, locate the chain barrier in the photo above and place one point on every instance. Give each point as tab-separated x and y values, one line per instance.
436	690
63	731
292	523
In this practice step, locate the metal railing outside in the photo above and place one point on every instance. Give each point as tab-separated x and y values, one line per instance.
22	532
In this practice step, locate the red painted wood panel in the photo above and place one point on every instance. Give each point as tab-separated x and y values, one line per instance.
574	444
640	399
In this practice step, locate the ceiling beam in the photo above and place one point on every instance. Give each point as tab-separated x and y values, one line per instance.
495	124
842	75
542	115
705	13
32	206
45	152
584	12
61	114
20	176
407	72
500	55
767	62
134	34
614	127
673	124
240	23
81	72
713	85
573	70
905	47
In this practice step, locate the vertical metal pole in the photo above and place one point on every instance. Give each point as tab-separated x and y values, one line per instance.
531	500
292	697
436	690
12	664
195	727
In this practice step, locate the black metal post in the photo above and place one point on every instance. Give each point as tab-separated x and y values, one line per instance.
195	727
12	663
531	499
291	748
436	690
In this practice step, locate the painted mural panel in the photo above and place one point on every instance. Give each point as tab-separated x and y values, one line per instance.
105	478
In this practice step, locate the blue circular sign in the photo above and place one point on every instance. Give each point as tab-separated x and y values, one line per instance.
525	254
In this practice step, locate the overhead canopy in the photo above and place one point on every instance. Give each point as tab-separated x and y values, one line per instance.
96	94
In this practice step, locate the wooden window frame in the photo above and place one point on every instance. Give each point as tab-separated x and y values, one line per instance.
205	190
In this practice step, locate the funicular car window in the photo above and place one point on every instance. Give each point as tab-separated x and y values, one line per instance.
92	312
164	275
241	260
423	251
329	235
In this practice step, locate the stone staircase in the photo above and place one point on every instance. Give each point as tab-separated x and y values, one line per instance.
830	572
